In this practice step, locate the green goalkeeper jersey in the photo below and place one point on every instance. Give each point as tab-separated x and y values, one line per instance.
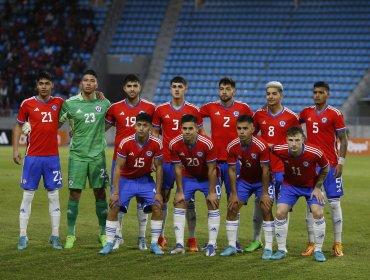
87	121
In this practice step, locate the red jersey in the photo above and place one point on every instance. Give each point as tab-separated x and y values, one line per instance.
322	128
273	129
138	159
195	158
43	118
223	123
123	116
301	171
169	119
250	157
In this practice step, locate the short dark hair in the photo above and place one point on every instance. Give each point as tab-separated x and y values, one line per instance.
90	72
178	79
144	117
44	75
189	118
227	81
244	118
294	130
131	78
321	84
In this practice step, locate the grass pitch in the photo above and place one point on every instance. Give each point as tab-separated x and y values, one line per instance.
40	261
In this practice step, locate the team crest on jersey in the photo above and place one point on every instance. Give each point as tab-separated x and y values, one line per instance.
54	107
305	163
199	154
254	156
282	123
70	182
236	113
324	120
98	108
149	153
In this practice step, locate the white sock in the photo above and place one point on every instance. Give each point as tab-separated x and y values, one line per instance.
269	231
25	211
231	232
120	223
257	220
309	224
179	224
191	218
155	230
213	225
238	219
319	227
164	215
281	232
54	211
336	218
110	230
142	219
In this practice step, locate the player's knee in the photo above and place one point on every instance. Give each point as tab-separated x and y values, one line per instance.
232	213
156	209
28	195
100	194
334	203
281	214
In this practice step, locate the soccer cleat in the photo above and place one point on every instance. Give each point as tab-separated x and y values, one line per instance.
192	245
118	240
210	251
309	250
319	256
141	243
255	245
178	249
70	240
279	254
338	249
107	249
103	240
204	248
267	254
22	242
154	248
238	248
55	241
229	251
162	242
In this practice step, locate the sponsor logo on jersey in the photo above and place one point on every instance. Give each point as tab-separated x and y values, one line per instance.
254	156
122	113
264	122
324	120
131	154
199	154
287	161
309	119
305	163
282	123
236	113
54	107
217	113
98	108
167	116
149	153
36	110
78	111
182	154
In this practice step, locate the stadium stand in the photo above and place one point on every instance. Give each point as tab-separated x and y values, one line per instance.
258	41
58	36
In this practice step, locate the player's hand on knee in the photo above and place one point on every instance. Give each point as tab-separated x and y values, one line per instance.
233	201
212	199
114	200
179	197
319	195
338	170
266	201
158	199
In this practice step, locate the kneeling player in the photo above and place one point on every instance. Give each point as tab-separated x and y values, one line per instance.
300	179
253	152
194	158
132	177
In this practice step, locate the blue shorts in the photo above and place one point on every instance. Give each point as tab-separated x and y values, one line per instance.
46	166
191	185
224	168
168	176
245	190
143	187
333	186
277	181
289	195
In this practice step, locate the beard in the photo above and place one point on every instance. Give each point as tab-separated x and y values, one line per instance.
225	99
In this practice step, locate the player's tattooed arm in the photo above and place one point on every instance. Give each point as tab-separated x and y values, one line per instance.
342	135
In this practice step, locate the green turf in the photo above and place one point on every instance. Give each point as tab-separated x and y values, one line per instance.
40	261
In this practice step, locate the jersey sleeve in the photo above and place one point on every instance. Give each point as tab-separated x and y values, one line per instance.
265	156
63	114
156	118
231	156
22	114
323	161
257	127
174	156
247	110
302	116
339	124
121	150
200	119
159	153
211	155
204	111
109	117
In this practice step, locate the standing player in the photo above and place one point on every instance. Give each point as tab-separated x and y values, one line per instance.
273	122
254	154
223	115
87	156
122	115
194	157
167	117
300	179
324	124
132	177
42	157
